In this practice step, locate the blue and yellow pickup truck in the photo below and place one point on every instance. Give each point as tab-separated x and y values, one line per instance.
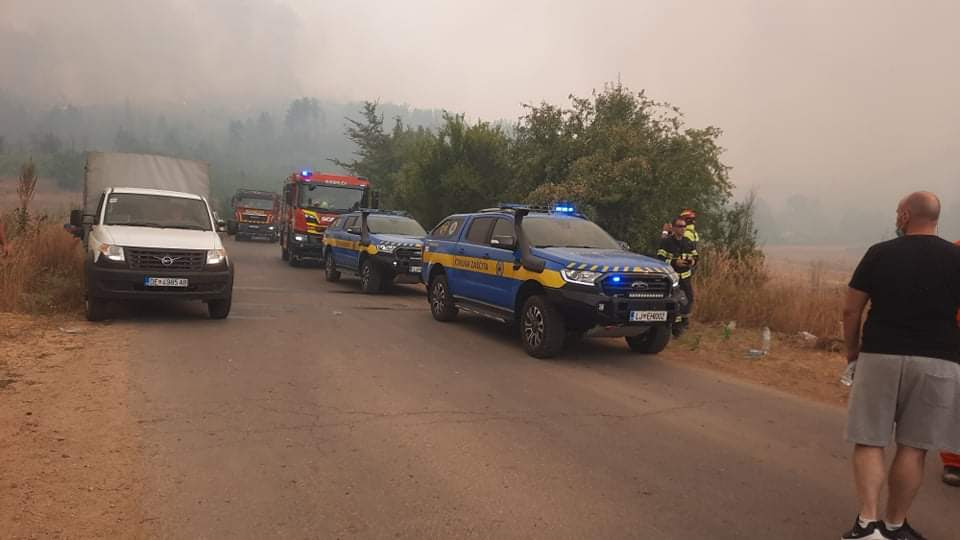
381	247
554	273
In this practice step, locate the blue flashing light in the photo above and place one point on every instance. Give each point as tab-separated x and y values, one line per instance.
305	173
615	279
564	209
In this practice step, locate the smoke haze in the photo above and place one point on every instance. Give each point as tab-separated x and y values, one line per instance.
827	107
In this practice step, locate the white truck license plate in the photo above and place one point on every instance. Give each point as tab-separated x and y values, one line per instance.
166	282
648	316
415	269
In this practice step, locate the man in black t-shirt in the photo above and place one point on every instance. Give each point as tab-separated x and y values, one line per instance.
907	371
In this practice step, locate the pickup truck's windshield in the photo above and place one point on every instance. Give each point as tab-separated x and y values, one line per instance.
395	225
321	197
138	210
544	231
259	204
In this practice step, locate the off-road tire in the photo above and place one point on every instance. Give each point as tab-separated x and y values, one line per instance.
653	341
371	278
95	309
542	328
330	272
441	302
220	309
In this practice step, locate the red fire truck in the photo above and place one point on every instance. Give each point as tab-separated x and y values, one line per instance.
309	204
254	215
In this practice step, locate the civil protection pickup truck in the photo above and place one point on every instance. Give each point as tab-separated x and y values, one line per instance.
146	243
381	247
553	273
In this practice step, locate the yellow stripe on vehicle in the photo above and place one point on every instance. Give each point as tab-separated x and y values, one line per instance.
547	278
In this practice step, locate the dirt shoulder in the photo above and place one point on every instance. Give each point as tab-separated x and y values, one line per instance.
793	366
69	451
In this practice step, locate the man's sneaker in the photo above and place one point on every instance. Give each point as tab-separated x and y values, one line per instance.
873	531
906	532
951	476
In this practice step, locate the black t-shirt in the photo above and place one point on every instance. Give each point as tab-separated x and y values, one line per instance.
914	288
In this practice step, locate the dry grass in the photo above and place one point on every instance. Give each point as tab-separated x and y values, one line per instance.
43	272
745	291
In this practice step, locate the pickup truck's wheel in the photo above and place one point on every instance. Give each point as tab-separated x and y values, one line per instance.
95	309
219	309
651	342
441	303
330	272
371	278
542	328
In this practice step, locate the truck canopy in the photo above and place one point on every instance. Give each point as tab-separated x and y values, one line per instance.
111	169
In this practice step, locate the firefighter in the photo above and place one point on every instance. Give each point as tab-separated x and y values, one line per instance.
680	253
690	232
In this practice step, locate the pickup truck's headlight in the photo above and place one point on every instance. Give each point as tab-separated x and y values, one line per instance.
299	238
216	257
580	277
270	228
386	248
112	253
674	277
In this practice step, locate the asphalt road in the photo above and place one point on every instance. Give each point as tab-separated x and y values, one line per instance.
317	412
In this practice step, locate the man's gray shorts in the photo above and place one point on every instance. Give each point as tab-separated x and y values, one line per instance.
917	397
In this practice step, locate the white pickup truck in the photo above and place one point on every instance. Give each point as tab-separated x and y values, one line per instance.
147	243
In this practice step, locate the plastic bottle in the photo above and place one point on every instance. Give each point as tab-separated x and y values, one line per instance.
766	340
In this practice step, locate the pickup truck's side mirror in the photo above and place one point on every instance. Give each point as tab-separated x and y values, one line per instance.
221	225
504	242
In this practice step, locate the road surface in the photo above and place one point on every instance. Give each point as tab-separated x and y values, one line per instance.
317	412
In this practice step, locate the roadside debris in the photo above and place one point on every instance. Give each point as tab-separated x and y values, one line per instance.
71	329
728	329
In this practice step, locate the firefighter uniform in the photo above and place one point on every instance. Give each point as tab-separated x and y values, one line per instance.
673	250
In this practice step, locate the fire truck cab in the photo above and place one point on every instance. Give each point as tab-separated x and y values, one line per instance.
254	215
310	202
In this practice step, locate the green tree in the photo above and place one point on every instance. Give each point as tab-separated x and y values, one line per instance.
633	163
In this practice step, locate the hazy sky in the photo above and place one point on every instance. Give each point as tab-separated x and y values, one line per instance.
829	97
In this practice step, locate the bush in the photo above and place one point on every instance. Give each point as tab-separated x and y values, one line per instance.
731	288
43	272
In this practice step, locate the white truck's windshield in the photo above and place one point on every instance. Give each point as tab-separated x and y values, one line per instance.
139	210
322	197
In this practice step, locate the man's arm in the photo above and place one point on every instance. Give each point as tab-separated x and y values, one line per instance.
852	317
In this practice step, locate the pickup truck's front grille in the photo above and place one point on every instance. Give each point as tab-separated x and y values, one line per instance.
645	286
253	218
413	255
166	259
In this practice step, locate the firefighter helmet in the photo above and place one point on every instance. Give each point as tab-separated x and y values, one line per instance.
688	214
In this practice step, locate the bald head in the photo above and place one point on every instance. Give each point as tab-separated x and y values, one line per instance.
918	213
923	205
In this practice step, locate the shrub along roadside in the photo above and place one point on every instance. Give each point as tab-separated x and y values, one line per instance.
43	272
741	289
